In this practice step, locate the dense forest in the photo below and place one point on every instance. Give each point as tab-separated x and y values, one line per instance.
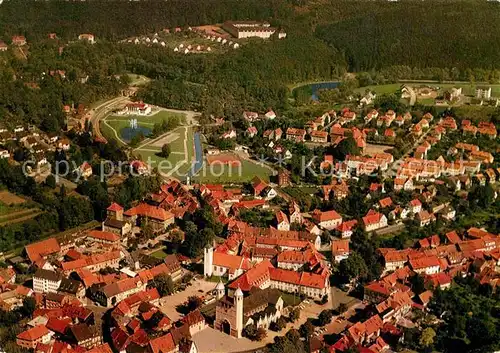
462	34
117	19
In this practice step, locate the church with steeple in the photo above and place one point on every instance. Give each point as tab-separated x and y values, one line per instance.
260	307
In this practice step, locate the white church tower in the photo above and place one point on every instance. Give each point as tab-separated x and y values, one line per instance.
220	290
238	303
208	261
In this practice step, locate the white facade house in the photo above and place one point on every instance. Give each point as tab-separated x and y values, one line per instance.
45	281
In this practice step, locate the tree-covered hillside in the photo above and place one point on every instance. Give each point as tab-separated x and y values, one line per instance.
116	19
462	34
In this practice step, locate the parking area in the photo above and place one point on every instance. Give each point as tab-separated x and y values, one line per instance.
199	287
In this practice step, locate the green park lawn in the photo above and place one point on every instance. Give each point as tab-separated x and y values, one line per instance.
248	171
116	123
159	254
177	148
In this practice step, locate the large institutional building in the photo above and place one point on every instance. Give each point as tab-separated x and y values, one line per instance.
247	29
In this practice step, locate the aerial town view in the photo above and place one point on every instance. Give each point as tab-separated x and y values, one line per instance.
236	176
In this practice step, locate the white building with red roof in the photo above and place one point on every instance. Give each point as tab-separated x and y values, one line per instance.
222	264
429	265
252	131
29	339
138	108
374	220
85	170
327	219
340	249
282	222
100	236
346	228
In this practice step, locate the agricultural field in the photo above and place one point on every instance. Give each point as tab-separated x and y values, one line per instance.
13	209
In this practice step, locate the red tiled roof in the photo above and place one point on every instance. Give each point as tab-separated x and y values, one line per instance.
232	262
372	217
34	333
325	216
58	325
107	236
385	202
193	318
302	279
424	262
340	246
253	277
453	237
115	207
146	210
258	185
163	344
90	260
42	248
347	225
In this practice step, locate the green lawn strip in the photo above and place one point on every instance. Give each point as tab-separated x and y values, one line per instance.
248	171
290	299
159	254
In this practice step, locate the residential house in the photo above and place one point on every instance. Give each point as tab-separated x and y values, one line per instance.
282	222
425	218
327	219
262	189
46	281
296	135
374	220
250	116
405	184
295	215
270	115
87	37
19	41
85	170
29	339
340	250
85	336
346	228
483	92
415	206
428	265
319	136
252	131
